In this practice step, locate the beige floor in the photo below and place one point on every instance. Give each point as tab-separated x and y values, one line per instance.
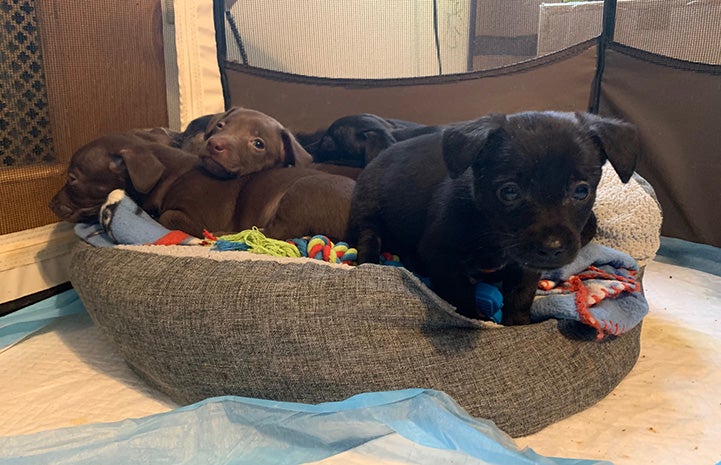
668	408
666	411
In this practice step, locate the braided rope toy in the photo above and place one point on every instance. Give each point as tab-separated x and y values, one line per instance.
317	247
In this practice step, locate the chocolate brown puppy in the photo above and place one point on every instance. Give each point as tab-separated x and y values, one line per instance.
497	199
284	202
171	186
141	162
242	141
253	172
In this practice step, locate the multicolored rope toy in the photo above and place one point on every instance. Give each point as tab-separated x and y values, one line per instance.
317	247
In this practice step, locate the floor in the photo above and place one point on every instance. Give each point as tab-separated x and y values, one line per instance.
666	411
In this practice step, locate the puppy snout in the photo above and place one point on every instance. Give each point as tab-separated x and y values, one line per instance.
551	249
216	145
62	211
59	206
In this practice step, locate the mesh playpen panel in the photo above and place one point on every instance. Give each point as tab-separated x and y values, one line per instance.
71	71
653	62
662	72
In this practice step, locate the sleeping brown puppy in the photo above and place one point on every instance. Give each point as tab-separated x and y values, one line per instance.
169	184
284	202
140	162
243	141
498	199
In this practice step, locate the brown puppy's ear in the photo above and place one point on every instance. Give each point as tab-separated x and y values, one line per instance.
617	140
293	153
142	166
463	142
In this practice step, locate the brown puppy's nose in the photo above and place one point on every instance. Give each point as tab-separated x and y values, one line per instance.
216	145
62	211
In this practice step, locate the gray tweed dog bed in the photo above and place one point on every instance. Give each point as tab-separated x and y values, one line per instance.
195	323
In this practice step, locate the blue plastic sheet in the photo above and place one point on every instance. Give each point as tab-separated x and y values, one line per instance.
415	426
22	323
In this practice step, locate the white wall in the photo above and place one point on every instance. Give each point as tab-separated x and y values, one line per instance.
328	38
352	38
34	260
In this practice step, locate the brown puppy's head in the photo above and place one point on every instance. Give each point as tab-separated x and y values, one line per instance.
115	161
242	141
535	175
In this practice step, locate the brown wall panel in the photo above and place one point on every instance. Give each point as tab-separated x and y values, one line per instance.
677	108
104	67
104	71
561	82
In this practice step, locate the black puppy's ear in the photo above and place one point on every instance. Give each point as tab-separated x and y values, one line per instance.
618	141
195	128
310	141
293	153
142	166
463	142
376	140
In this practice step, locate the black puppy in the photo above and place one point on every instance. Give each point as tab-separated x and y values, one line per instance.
497	199
355	140
192	139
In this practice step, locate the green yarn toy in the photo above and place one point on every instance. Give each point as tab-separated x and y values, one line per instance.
318	247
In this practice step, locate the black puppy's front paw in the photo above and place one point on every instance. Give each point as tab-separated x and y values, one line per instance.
516	317
519	289
455	289
368	247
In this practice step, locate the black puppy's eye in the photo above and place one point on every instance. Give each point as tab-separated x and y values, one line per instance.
581	191
509	193
258	144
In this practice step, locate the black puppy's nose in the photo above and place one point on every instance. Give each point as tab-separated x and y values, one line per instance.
551	248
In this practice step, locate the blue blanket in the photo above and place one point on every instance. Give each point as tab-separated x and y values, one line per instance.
415	426
600	288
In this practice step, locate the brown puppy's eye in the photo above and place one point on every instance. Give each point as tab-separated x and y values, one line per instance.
220	125
509	193
258	144
581	191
